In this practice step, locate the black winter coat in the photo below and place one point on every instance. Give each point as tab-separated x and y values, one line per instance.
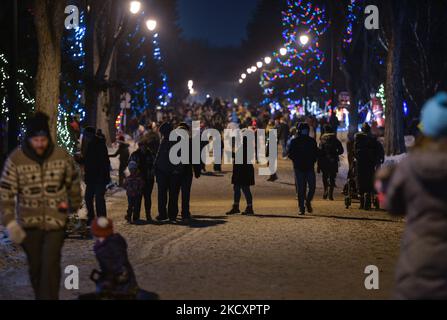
96	162
123	153
243	174
330	151
304	153
163	163
145	162
368	153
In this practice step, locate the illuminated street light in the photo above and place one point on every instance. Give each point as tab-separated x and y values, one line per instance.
259	64
249	70
243	76
190	84
253	69
240	81
283	51
235	100
135	7
151	24
304	39
267	60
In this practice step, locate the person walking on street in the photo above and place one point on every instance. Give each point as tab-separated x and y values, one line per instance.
283	135
123	153
144	157
304	154
96	177
40	183
168	177
367	153
189	170
417	189
134	185
242	179
270	126
330	151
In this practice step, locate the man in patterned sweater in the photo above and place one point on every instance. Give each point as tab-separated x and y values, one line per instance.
39	184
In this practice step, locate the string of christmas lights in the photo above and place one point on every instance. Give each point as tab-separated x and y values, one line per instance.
26	101
296	61
353	14
72	85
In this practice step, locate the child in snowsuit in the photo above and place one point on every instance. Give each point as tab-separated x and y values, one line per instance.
116	278
133	184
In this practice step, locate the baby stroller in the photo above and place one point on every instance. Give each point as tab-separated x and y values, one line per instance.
351	193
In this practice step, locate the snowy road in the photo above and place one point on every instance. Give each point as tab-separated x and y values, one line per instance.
274	255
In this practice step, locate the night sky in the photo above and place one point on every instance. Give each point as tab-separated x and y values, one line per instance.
221	22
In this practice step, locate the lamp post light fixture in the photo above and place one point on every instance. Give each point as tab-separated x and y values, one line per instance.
253	69
304	39
259	64
151	24
240	81
243	76
283	51
267	60
134	7
248	70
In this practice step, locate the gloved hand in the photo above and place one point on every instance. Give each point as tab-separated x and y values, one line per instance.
15	232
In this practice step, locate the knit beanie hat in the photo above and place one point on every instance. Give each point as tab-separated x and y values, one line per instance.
434	116
102	227
37	125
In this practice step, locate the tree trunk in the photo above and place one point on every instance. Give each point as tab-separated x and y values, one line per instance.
394	126
49	18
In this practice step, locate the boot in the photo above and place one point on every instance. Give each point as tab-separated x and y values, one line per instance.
362	201
248	211
309	207
368	202
325	193
331	193
234	210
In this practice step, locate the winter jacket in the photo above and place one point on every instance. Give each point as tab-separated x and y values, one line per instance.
189	168
243	174
162	162
123	153
418	190
330	150
96	162
368	153
304	153
145	162
283	131
117	274
32	187
134	185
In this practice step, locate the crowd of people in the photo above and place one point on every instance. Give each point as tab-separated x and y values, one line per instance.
40	184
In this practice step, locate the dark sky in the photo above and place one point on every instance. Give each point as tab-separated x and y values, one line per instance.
221	22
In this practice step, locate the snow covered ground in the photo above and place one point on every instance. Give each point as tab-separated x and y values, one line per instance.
274	255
